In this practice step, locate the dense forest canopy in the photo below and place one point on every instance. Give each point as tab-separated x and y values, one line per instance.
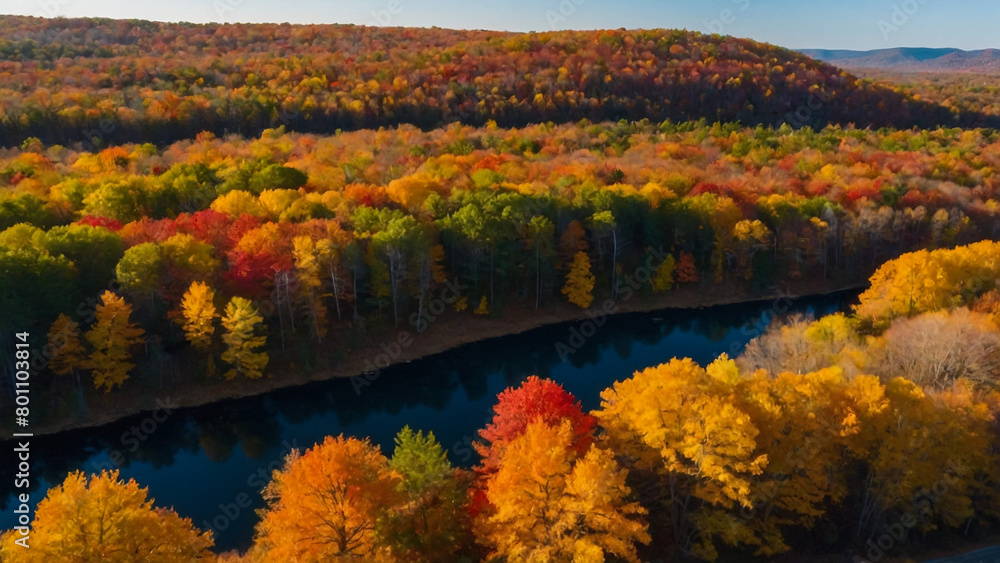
111	81
373	223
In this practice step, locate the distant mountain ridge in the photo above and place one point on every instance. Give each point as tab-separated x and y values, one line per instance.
914	59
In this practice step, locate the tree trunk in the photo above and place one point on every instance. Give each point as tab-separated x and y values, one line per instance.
336	291
395	264
281	315
286	282
355	290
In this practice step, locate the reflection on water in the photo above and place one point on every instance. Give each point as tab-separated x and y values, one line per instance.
210	463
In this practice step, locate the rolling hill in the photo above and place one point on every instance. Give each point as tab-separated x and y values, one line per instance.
101	81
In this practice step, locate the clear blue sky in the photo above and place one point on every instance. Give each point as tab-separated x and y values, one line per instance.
828	24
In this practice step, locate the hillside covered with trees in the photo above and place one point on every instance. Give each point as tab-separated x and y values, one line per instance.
112	81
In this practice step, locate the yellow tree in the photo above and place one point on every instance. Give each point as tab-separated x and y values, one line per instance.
923	281
327	503
307	268
199	314
484	308
411	191
921	454
102	518
579	288
238	202
111	336
330	250
682	426
905	286
663	278
64	346
804	428
242	346
553	504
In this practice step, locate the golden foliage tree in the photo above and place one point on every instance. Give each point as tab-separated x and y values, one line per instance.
65	348
102	518
910	442
411	191
804	424
327	503
199	314
483	308
682	425
239	202
663	278
111	337
579	288
308	268
923	281
242	345
553	504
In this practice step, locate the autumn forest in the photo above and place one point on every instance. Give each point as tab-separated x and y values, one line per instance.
255	205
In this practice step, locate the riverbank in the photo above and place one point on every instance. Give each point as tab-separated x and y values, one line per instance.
405	344
979	552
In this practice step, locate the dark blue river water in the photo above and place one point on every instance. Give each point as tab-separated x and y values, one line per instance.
210	463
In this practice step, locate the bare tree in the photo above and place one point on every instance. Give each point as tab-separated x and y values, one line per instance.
802	345
935	349
778	348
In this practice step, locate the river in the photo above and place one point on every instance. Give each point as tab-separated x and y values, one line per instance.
209	463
